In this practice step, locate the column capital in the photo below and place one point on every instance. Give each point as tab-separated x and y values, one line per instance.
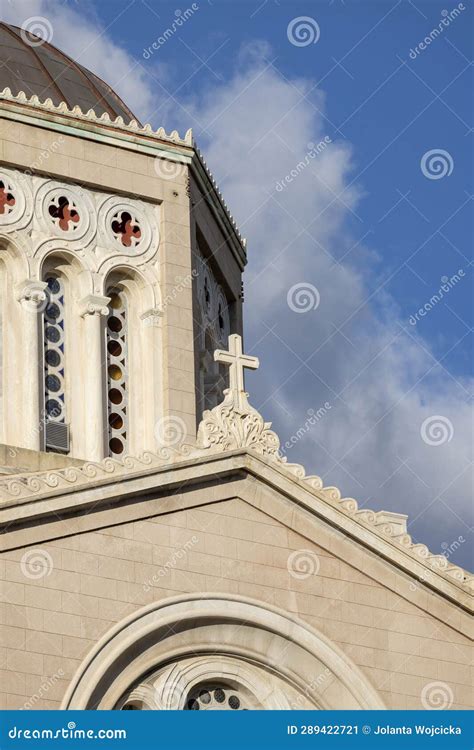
152	317
93	304
33	293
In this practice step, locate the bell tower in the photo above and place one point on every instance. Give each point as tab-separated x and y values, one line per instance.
120	270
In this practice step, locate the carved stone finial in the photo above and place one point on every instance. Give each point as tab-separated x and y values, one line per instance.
234	423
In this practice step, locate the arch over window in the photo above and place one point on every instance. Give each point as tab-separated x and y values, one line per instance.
117	371
161	655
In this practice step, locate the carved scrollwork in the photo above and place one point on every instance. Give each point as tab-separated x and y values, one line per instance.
229	426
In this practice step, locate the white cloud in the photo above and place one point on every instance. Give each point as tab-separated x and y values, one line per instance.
381	384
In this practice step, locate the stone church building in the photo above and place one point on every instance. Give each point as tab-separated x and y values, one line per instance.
157	552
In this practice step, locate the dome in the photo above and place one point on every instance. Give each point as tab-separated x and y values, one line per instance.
36	67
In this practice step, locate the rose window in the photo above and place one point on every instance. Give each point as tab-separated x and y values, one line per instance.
7	198
218	698
126	229
64	213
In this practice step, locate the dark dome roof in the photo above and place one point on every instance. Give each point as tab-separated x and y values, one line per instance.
41	69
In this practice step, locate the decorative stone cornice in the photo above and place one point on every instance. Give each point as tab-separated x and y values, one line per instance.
219	195
94	304
133	128
104	119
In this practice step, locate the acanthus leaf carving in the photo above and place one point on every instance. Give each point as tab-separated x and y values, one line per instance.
231	425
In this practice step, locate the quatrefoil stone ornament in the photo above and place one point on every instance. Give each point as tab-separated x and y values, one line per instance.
64	213
126	229
7	198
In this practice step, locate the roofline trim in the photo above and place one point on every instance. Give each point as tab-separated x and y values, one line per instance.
27	497
199	167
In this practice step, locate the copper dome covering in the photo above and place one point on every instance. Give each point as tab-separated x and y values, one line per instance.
44	70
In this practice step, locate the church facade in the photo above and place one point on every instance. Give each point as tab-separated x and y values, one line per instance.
157	552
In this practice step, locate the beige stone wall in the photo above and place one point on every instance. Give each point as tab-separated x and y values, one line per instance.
119	168
48	624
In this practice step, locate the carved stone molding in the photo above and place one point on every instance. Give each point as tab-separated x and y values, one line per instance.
32	293
152	318
94	304
231	425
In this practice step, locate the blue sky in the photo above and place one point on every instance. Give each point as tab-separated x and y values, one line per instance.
362	223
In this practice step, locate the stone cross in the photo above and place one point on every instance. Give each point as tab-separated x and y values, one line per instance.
237	361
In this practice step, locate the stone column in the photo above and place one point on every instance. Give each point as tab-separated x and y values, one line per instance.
152	377
26	432
92	309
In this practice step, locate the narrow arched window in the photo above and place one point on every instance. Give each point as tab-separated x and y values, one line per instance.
117	370
56	426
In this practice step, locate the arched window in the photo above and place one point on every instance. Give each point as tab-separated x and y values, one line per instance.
220	697
56	426
117	371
